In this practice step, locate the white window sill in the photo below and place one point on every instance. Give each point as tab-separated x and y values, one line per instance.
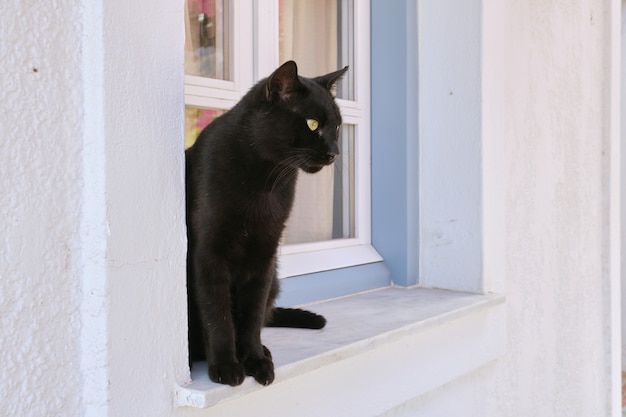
461	332
308	258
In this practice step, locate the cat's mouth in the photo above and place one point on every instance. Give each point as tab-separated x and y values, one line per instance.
313	166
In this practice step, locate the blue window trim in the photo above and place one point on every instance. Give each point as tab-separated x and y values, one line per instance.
395	160
304	289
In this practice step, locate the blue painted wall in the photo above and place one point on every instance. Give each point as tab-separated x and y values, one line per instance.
329	284
394	137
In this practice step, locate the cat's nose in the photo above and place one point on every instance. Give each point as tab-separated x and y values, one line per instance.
332	154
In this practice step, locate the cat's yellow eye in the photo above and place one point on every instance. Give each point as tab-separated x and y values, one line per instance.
312	124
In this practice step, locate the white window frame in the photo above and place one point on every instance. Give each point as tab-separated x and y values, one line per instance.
255	54
224	94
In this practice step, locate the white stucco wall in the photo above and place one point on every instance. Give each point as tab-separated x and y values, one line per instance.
557	205
145	260
92	260
40	204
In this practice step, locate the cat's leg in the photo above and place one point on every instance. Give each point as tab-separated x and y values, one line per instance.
269	303
273	293
251	301
213	300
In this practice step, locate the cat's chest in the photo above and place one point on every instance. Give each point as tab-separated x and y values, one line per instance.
253	198
268	208
269	191
256	230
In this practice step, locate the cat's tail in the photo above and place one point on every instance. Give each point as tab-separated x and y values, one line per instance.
297	318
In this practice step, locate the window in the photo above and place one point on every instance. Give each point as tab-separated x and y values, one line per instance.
455	159
231	45
133	271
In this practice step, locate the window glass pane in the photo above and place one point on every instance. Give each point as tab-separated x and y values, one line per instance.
343	201
207	38
324	204
319	36
197	119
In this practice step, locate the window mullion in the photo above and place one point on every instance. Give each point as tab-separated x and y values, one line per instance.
265	37
243	48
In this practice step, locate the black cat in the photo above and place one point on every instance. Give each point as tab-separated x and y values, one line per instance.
241	177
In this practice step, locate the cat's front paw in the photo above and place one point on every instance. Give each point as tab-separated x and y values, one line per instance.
227	373
262	369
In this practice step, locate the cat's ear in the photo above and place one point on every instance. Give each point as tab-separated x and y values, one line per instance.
328	81
283	82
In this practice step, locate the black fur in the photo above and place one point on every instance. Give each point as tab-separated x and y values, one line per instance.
241	177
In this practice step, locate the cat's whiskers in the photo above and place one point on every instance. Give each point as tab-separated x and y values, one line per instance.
341	168
287	171
281	171
289	165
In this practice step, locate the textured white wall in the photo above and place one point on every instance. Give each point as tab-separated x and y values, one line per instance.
92	260
554	74
450	145
40	202
142	127
557	194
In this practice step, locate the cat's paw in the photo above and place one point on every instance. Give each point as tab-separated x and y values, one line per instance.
262	369
227	373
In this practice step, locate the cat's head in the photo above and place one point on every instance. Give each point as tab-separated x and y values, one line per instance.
304	117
